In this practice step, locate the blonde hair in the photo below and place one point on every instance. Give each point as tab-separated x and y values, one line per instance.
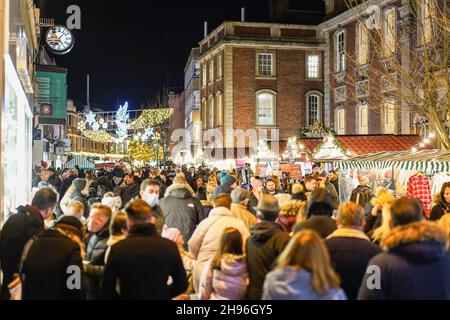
179	179
74	208
351	215
293	208
380	233
444	224
307	251
380	190
105	209
212	184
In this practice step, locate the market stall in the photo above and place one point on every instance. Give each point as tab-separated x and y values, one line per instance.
399	172
80	162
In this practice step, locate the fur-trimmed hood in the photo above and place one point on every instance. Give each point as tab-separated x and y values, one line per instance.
419	242
179	190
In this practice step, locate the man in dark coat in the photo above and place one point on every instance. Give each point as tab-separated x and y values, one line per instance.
131	191
320	212
19	229
67	182
181	209
143	262
150	193
416	265
98	226
227	184
53	179
79	185
56	252
267	241
350	249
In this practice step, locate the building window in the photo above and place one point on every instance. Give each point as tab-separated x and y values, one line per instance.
219	66
204	80
204	115
211	71
313	108
211	112
265	64
340	51
313	66
363	119
363	44
340	121
219	110
390	32
427	12
265	108
389	117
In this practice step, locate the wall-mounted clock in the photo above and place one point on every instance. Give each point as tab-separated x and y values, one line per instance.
59	40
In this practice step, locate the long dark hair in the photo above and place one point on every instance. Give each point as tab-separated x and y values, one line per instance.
444	204
231	243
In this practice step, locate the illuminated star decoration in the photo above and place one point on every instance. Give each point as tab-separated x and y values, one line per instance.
148	133
81	126
122	118
90	118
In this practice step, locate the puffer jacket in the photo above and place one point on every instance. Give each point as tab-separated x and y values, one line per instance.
206	239
96	252
228	283
182	210
290	284
415	266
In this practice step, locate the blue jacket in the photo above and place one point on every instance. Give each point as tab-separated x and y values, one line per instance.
289	284
415	267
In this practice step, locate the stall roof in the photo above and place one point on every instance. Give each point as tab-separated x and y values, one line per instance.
425	160
359	145
80	162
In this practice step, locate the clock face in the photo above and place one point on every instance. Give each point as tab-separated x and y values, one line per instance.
60	40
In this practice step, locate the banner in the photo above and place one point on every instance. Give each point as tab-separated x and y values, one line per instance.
296	171
52	95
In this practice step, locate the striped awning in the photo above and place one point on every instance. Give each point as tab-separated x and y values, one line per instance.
80	162
425	160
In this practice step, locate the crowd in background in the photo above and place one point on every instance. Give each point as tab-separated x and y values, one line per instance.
204	234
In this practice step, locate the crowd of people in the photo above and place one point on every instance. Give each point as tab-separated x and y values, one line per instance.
188	234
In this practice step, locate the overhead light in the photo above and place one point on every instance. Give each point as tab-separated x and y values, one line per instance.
414	149
422	145
426	141
432	135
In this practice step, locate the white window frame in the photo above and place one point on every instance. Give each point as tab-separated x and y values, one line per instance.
211	112
219	66
427	11
313	72
219	102
259	64
274	107
363	119
319	96
340	121
341	62
204	113
389	111
362	58
204	75
211	70
389	31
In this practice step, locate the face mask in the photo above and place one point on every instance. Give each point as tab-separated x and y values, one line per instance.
152	199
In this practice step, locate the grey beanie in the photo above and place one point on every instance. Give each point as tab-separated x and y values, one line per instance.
79	184
239	195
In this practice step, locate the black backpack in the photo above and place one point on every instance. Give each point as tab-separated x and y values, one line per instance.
361	196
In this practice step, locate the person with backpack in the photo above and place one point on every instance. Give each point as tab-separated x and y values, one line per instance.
362	194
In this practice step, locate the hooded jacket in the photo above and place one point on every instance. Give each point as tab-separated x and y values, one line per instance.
181	210
16	232
290	284
415	265
267	241
228	283
206	239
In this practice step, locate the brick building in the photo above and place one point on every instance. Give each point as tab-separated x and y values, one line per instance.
261	76
192	98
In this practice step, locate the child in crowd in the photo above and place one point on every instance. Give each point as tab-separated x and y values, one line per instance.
225	277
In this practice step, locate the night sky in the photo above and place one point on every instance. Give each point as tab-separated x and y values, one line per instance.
134	48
